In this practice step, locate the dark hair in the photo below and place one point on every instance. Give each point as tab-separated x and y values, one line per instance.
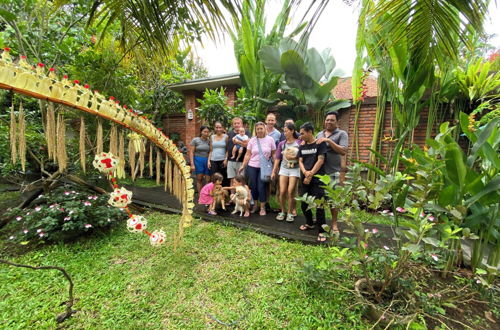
333	112
240	178
202	127
308	127
217	177
290	126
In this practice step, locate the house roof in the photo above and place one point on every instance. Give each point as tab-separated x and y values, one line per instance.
343	89
209	82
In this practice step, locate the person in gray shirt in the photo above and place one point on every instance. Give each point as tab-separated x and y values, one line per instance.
198	155
337	143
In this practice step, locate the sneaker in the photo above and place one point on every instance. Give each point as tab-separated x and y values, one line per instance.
281	216
290	217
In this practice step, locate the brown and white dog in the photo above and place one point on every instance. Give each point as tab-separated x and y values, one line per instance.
240	199
219	195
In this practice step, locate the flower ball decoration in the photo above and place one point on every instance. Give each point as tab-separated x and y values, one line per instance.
105	162
137	223
157	238
120	197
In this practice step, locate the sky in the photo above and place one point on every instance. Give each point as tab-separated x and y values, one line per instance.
335	29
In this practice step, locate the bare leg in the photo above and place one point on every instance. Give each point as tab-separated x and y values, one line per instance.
199	182
283	185
292	186
335	215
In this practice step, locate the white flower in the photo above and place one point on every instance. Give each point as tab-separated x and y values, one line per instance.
52	206
109	220
67	218
386	247
435	257
25	231
12	237
374	230
38	208
366	230
87	203
385	211
41	234
88	225
39	230
67	193
19	218
71	212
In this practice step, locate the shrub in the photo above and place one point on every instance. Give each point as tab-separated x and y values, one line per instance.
65	214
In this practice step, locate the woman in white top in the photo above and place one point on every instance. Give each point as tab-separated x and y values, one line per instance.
217	157
287	167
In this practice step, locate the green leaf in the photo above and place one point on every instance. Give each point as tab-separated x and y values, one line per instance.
455	166
491	186
326	89
270	57
7	15
431	241
412	248
314	64
337	104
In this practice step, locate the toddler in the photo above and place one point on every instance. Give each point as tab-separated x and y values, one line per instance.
207	193
237	149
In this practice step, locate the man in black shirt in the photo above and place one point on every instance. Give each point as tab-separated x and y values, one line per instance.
311	162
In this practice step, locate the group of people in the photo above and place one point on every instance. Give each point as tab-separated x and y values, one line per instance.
242	166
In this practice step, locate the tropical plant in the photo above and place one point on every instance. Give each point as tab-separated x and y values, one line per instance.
308	76
213	107
249	36
244	107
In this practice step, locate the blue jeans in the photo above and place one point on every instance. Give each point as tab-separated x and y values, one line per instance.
259	188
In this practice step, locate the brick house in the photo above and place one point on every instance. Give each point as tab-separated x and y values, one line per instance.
189	128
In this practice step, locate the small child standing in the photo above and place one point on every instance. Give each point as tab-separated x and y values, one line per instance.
237	149
207	193
245	198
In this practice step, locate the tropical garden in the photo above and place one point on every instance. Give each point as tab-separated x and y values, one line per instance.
421	248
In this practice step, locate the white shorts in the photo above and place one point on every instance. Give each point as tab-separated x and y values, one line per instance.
289	172
232	169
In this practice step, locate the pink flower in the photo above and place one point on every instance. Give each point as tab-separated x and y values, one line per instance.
19	218
41	234
25	231
422	215
365	245
67	218
67	193
431	218
386	247
88	225
400	209
435	257
38	208
374	230
87	203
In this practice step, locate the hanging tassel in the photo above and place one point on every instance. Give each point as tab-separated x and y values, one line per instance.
131	158
99	142
142	154
168	182
82	145
113	140
50	133
22	137
13	135
150	160
120	170
165	174
158	166
62	158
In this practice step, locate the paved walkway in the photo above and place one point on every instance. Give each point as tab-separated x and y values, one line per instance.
157	198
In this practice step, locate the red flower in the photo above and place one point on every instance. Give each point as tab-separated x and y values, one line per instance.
65	76
124	106
76	81
111	98
41	65
86	86
7	49
52	69
23	57
117	102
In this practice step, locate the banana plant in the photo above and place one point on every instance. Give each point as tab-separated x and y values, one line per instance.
308	75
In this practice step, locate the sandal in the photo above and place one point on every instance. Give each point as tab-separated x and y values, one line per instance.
306	227
322	238
212	212
281	216
290	217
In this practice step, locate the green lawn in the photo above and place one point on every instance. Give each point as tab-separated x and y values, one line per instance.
218	272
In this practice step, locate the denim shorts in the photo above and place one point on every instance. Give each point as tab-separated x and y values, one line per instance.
290	172
201	165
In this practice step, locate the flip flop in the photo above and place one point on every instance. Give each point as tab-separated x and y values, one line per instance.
322	238
306	227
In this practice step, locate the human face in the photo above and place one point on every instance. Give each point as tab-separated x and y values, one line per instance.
331	123
305	135
271	120
288	122
205	133
260	131
288	133
237	123
241	131
218	128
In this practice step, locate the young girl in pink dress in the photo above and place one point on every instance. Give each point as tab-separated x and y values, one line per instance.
206	193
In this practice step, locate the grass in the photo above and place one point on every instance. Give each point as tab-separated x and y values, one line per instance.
236	276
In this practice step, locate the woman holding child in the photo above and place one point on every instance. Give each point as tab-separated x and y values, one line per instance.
286	166
263	144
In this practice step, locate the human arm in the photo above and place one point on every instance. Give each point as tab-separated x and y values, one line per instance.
224	163
245	161
191	155
341	147
209	155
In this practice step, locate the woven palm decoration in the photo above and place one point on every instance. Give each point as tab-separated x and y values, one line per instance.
50	131
62	158
99	139
82	145
13	135
22	137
